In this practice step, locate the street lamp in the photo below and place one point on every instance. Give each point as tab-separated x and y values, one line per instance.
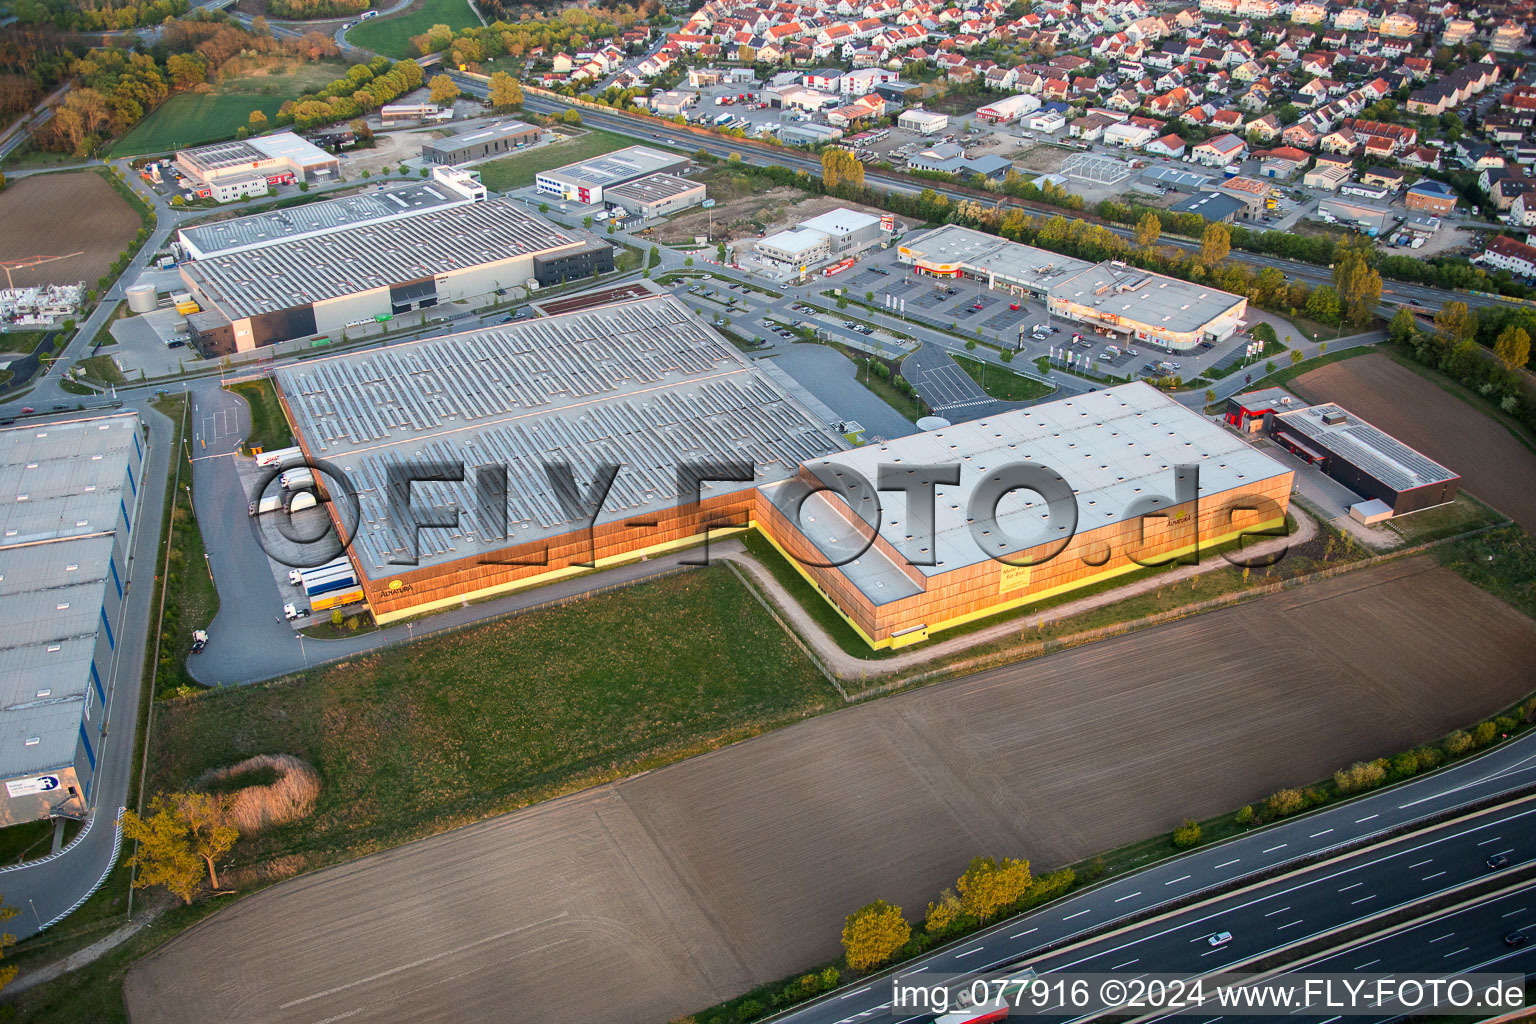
300	636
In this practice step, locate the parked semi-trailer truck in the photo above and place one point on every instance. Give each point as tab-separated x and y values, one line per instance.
300	500
294	479
336	599
270	503
317	582
279	456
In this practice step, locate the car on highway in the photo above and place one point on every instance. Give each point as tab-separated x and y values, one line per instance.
27	408
1498	860
1515	940
1219	939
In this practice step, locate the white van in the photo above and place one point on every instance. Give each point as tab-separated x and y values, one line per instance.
368	14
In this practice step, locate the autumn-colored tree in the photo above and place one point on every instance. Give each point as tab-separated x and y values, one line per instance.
183	834
990	884
7	974
942	912
442	89
506	93
1455	323
1358	285
1215	244
572	116
1403	327
1513	347
873	934
258	120
1148	230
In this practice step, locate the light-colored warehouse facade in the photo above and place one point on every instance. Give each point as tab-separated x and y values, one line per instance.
644	385
70	511
655	195
318	282
585	182
833	235
1111	297
1123	456
280	158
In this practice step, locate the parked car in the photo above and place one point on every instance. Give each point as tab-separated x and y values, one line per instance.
199	640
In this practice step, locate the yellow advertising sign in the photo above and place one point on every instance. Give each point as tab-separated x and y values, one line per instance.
1014	577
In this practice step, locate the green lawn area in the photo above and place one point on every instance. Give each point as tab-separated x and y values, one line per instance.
473	723
189	119
391	36
1003	383
518	171
269	427
29	839
20	342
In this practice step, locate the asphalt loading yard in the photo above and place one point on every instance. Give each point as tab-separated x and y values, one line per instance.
668	891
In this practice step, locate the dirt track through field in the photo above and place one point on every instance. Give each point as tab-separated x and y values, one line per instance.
663	893
1494	466
49	215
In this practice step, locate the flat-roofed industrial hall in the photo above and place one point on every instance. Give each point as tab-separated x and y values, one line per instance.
295	273
70	510
1131	456
644	385
1111	297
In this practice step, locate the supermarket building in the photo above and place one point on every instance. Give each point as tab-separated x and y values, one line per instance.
1111	297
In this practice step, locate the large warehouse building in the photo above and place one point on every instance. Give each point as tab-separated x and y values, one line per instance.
72	503
1362	457
585	182
1111	297
479	143
1123	455
644	385
261	282
276	159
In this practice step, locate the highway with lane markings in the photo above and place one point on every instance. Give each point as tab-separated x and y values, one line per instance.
1287	909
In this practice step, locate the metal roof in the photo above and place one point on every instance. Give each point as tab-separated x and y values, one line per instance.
360	259
652	188
61	485
1114	447
282	146
643	384
617	167
219	237
481	135
1366	447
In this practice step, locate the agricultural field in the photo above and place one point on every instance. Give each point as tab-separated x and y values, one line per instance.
391	35
191	119
736	867
74	220
1493	464
519	170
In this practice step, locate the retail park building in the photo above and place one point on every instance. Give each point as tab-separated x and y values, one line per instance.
649	387
320	268
1111	297
68	519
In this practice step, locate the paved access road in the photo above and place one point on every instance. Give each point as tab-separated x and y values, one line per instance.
47	890
1013	942
1466	940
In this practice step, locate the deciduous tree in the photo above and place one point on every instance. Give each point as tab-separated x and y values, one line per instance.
1455	323
990	884
873	934
7	974
505	92
183	834
442	89
1513	348
1215	244
1148	230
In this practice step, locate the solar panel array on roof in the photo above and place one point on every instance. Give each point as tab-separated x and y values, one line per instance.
641	384
1366	447
361	259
